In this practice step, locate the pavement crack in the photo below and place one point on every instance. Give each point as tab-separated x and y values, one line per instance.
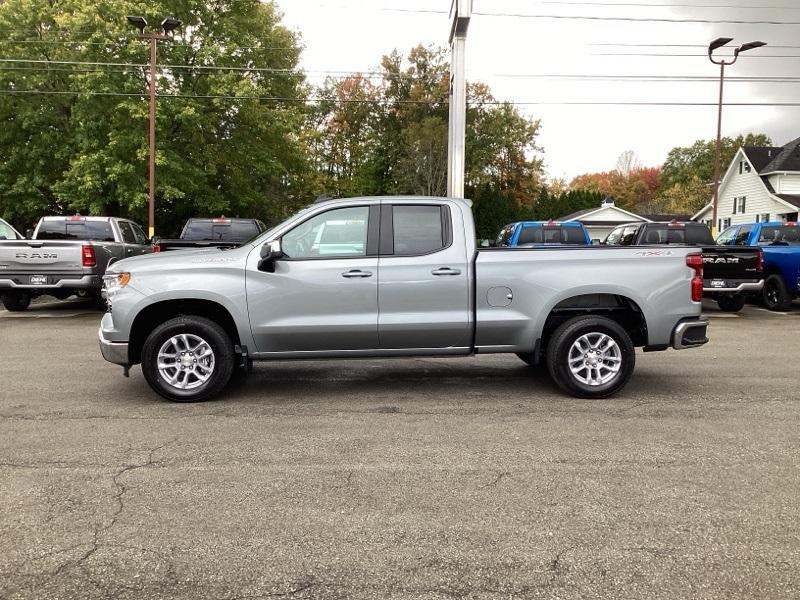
555	565
101	529
493	483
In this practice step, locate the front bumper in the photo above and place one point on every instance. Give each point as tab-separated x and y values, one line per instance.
114	352
690	333
64	282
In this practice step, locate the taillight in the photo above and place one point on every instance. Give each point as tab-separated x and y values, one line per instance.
156	247
88	256
695	261
760	263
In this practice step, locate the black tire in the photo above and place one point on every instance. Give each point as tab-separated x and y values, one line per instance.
16	301
775	294
561	344
732	304
213	335
528	359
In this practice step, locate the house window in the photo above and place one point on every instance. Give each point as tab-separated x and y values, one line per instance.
762	218
723	224
744	167
739	204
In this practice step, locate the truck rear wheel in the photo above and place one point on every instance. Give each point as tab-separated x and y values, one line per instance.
590	357
776	296
188	359
16	301
731	304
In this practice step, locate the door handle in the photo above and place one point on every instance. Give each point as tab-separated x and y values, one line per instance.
446	271
357	273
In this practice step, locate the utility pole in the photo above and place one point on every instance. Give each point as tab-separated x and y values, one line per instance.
460	15
716	44
153	37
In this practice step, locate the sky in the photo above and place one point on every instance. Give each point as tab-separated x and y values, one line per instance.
505	51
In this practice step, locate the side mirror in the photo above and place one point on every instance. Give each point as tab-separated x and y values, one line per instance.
270	252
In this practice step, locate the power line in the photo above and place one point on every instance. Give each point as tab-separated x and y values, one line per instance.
599	18
635	19
667	5
474	76
394	102
704	46
677	55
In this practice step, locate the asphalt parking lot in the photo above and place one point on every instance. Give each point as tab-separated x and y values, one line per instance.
424	478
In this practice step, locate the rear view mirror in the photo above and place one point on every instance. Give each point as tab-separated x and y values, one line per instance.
29	234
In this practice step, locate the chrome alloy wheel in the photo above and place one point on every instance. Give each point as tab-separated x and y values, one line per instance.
595	359
185	361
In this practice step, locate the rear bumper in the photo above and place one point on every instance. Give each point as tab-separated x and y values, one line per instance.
744	287
113	352
690	333
64	283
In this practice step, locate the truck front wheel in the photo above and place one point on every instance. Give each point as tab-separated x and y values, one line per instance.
590	357
16	301
776	296
188	359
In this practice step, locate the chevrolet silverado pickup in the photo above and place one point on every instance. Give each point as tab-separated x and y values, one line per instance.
729	274
66	256
397	276
780	243
220	232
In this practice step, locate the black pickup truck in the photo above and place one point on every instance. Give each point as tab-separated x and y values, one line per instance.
221	232
729	272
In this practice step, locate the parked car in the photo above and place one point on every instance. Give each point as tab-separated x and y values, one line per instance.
729	274
535	233
212	233
404	278
7	232
780	243
65	256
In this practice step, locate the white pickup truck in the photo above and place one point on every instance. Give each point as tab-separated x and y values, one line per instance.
386	277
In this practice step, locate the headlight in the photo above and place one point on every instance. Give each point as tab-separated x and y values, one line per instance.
115	282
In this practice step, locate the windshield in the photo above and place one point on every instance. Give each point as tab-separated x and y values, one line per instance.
6	231
230	231
780	234
75	229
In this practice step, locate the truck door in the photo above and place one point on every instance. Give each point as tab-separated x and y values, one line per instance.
423	286
323	293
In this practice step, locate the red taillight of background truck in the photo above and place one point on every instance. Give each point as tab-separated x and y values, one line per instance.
88	256
695	261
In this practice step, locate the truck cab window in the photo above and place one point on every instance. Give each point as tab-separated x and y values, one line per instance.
341	232
127	232
417	230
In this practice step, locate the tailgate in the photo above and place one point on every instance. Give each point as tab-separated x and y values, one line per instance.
31	256
723	265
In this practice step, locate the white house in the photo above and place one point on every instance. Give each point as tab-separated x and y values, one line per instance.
599	222
761	184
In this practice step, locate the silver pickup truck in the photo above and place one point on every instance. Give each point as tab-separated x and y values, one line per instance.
385	277
65	256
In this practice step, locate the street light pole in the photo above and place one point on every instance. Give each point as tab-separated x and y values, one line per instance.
719	43
460	13
153	37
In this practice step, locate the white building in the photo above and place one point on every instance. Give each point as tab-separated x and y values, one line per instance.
599	222
761	184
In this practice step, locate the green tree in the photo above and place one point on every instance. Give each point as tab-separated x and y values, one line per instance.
86	152
697	161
